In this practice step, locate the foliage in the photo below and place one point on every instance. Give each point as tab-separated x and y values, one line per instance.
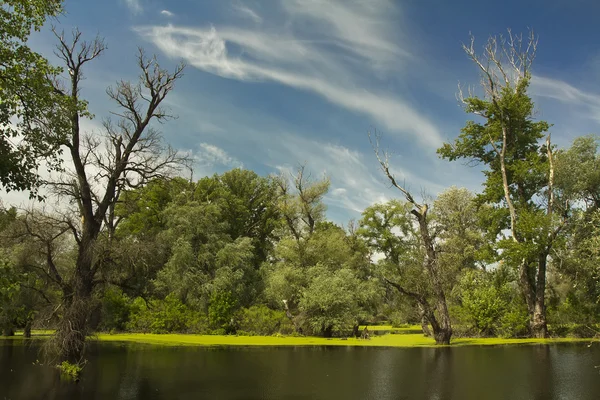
116	310
70	371
168	315
332	301
221	311
483	302
28	96
261	320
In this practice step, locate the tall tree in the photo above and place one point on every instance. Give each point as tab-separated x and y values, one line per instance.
519	164
26	96
125	155
430	265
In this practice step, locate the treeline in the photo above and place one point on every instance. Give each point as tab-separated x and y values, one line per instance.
131	246
239	253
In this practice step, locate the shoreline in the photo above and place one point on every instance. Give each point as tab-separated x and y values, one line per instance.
388	340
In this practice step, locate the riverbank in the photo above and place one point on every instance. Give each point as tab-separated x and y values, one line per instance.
388	340
406	340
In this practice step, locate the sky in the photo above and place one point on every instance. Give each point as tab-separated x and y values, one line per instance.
272	84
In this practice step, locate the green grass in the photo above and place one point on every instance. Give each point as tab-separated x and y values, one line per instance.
387	340
407	340
390	328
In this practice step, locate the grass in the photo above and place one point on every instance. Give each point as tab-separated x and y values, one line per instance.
387	340
391	329
406	340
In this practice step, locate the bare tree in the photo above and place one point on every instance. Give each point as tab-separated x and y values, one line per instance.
126	154
440	323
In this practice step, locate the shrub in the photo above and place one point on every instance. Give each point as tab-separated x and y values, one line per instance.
261	320
515	322
161	316
221	311
483	303
115	310
69	371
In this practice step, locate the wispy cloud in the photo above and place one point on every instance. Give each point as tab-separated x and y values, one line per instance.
167	13
135	6
332	48
247	12
565	93
210	155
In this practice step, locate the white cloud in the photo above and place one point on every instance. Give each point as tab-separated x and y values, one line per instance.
211	155
565	93
247	13
135	6
167	13
332	48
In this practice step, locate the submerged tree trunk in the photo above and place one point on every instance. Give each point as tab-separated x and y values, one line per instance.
71	333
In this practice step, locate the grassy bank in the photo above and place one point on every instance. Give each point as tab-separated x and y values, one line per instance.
406	340
388	340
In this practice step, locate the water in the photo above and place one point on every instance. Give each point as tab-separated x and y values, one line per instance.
144	372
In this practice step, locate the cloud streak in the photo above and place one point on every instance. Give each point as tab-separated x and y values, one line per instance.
334	49
247	12
565	93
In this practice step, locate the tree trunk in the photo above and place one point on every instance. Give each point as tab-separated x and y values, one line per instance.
74	327
27	330
534	294
442	332
424	322
539	326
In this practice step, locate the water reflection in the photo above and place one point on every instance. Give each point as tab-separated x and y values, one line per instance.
143	372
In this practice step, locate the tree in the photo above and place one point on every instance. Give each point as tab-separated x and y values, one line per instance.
27	96
132	155
430	265
519	167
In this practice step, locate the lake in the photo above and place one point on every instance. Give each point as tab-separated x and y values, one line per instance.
116	371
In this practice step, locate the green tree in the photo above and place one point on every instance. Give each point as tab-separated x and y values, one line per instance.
27	96
519	167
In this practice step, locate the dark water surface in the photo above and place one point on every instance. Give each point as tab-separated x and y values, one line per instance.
144	372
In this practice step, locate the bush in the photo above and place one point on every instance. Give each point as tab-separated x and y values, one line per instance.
261	320
515	322
483	303
221	311
161	316
69	371
115	310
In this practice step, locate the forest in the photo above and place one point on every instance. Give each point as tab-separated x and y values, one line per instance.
138	246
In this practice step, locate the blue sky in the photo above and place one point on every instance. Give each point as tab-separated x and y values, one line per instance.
274	83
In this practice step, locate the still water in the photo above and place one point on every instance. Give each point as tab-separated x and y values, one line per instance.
143	372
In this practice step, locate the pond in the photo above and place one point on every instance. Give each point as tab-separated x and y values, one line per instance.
143	372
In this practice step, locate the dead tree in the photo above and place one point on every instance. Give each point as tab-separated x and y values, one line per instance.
437	314
126	154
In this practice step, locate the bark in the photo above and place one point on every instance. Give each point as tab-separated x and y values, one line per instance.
539	326
424	322
27	330
443	332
